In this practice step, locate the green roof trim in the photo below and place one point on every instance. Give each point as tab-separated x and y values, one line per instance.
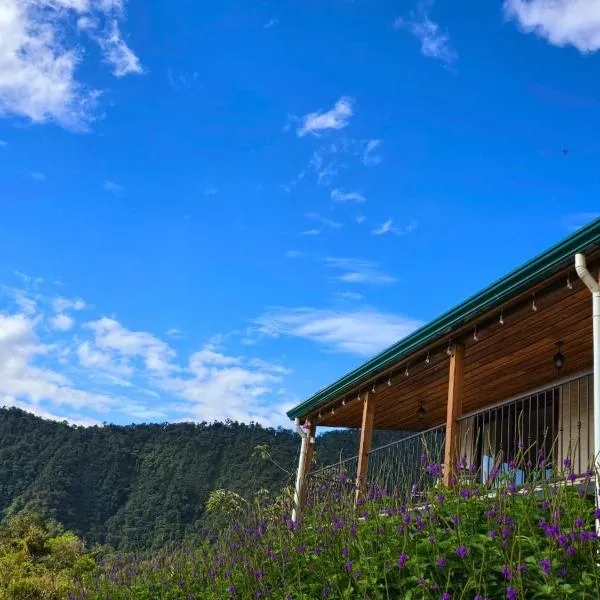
495	294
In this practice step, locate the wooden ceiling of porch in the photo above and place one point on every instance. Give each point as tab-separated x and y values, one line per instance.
507	360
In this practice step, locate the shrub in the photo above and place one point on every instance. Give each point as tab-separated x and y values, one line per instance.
468	541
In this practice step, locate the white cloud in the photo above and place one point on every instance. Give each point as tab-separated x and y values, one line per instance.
363	332
117	53
336	118
310	232
561	22
349	296
434	42
111	336
294	254
40	56
60	304
271	23
361	219
324	221
62	322
356	270
174	333
29	280
113	187
369	157
24	384
388	227
181	80
339	196
3	144
210	191
37	176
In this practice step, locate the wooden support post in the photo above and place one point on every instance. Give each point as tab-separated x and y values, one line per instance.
366	435
310	449
454	409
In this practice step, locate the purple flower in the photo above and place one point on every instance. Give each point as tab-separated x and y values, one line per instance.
441	498
511	464
325	593
357	575
454	519
402	560
579	522
318	551
567	463
348	566
597	513
345	552
571	551
545	565
446	596
431	539
231	590
462	551
441	562
511	593
545	504
562	540
522	568
465	493
492	534
506	572
563	572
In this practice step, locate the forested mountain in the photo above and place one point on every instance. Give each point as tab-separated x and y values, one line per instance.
142	485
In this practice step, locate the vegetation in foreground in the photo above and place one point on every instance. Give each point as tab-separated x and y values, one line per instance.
465	542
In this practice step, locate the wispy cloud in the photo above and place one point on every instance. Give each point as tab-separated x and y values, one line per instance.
336	118
560	22
370	157
294	254
174	333
39	59
60	304
353	296
340	196
360	271
388	227
324	221
37	175
434	42
210	191
310	232
113	187
271	23
575	221
362	332
62	322
181	80
361	219
3	144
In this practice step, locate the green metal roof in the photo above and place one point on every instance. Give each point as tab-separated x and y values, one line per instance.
495	294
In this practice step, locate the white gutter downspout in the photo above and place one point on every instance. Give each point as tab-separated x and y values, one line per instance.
594	287
300	474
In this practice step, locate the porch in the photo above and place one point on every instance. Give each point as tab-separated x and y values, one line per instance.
504	377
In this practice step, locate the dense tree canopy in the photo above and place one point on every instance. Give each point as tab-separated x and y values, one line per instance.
139	486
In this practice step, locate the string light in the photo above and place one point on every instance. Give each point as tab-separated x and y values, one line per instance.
373	389
344	402
358	396
406	373
569	283
320	415
389	382
501	321
449	349
534	305
333	411
427	360
475	336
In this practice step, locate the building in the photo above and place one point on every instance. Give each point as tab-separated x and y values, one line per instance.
509	371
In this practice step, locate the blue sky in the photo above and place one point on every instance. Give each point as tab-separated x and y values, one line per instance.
210	211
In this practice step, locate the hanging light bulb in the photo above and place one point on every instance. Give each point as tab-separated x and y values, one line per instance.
427	360
358	396
333	411
449	349
320	414
475	336
373	390
389	381
501	321
406	373
534	305
569	282
344	402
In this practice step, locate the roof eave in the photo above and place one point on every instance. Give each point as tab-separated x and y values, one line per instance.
495	294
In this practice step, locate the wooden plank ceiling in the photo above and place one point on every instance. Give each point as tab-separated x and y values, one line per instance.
501	360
